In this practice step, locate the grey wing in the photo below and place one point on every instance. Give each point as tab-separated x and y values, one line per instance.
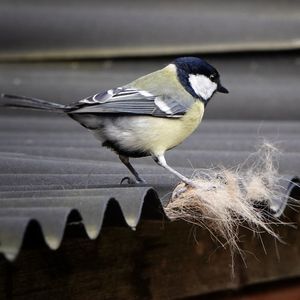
130	101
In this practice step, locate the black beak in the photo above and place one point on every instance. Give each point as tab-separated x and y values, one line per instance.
222	89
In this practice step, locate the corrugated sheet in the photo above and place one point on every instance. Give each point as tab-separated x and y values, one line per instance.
55	177
52	29
262	87
53	172
52	209
51	168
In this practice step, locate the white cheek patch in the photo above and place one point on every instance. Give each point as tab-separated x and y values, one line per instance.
202	86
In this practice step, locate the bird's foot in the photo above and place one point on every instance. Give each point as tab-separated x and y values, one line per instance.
128	180
183	187
179	191
190	183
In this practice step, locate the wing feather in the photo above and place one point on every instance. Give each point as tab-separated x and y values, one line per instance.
130	101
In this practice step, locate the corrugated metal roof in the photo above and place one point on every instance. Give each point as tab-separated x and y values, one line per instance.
262	86
55	177
94	29
51	167
53	208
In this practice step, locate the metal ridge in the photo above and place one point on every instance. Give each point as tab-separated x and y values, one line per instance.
52	211
149	51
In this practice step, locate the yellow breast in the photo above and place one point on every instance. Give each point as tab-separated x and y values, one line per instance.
167	133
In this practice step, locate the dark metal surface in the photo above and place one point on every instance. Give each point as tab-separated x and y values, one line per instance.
52	29
262	87
60	189
51	169
52	210
53	172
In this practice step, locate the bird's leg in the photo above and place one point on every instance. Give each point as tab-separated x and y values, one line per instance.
125	161
161	161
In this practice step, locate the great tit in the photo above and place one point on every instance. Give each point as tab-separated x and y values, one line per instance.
146	117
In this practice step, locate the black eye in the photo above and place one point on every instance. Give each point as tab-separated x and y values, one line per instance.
212	77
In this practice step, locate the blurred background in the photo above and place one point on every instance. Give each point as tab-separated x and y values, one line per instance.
64	50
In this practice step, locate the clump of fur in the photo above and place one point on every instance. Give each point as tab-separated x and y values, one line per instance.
225	199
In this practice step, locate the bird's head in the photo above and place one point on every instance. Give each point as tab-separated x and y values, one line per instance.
198	78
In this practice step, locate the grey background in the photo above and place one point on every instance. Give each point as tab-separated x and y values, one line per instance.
41	29
262	86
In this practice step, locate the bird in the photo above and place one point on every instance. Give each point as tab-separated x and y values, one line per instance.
145	117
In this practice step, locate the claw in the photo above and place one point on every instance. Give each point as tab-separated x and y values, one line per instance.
131	181
178	191
128	179
191	183
183	187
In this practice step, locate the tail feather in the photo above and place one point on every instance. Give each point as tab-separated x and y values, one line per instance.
31	103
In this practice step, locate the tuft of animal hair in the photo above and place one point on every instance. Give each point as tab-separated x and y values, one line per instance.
225	199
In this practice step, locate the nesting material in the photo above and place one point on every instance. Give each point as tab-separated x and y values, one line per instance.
225	199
